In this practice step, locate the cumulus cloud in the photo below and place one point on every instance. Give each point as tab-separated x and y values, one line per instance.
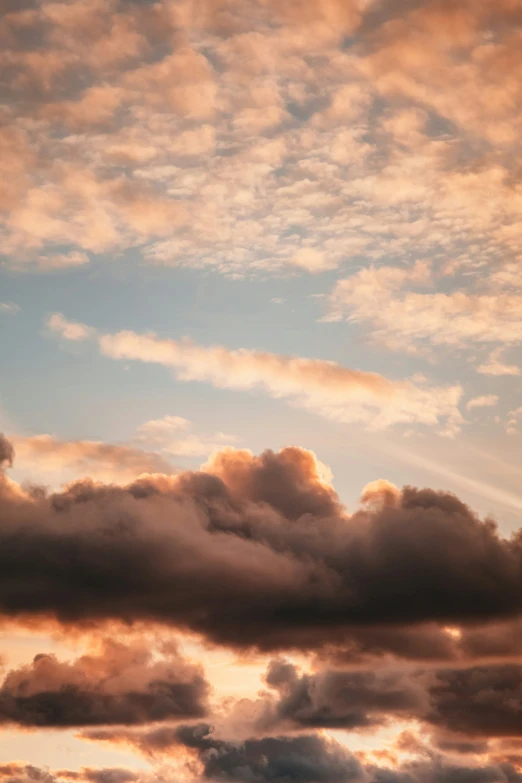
453	704
264	536
62	260
480	702
337	699
306	758
323	387
118	684
6	452
309	757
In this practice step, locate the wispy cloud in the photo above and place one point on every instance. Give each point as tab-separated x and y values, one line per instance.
323	387
46	454
174	435
10	308
485	401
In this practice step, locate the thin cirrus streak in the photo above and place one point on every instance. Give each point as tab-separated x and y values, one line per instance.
323	387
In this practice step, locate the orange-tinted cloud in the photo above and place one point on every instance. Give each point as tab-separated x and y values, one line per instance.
96	458
324	387
265	537
269	136
119	684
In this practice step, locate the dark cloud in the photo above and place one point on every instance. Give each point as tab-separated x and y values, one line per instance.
6	452
467	706
423	642
481	701
119	685
339	699
24	773
27	773
256	551
303	759
102	775
309	758
462	710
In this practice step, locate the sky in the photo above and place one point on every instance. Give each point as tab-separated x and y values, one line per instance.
260	372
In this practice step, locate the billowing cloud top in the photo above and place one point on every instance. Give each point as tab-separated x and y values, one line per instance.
264	537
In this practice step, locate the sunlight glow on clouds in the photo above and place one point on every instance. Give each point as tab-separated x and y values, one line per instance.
326	197
323	387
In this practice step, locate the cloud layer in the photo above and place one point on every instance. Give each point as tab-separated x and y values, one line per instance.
264	536
248	136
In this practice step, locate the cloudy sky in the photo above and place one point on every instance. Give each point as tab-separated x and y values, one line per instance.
260	372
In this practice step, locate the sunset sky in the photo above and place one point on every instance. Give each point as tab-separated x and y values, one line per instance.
260	374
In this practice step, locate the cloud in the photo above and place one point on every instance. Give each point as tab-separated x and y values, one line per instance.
485	401
264	536
337	699
10	308
272	759
149	451
480	702
172	434
305	759
380	493
381	300
309	757
18	772
255	139
96	458
119	684
69	330
93	775
62	260
312	260
512	424
494	365
323	387
459	704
